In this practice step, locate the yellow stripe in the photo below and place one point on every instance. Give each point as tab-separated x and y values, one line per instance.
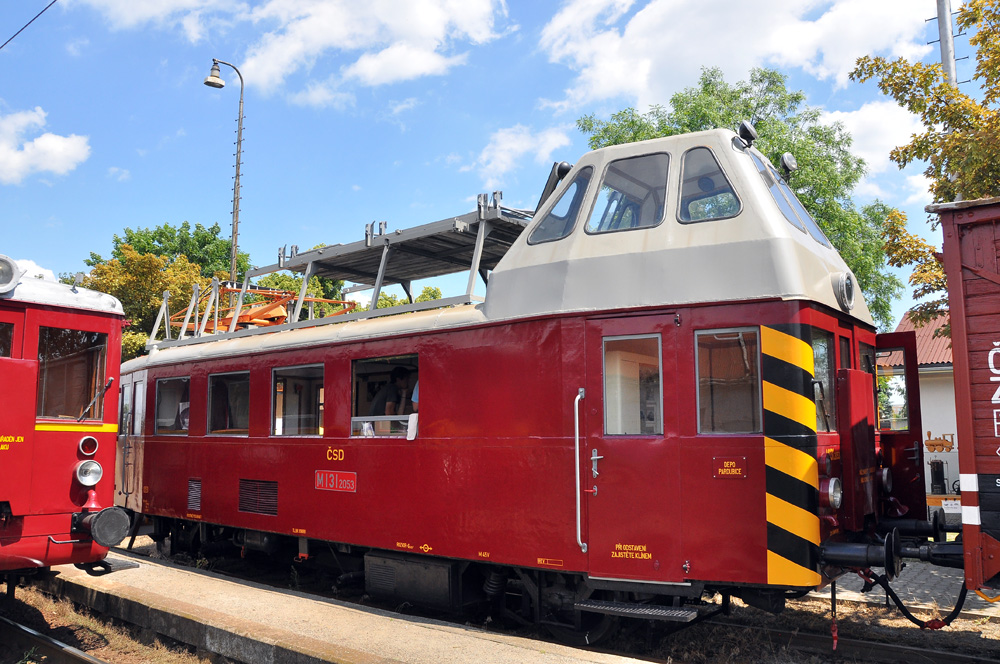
73	426
792	518
783	572
789	404
786	347
791	461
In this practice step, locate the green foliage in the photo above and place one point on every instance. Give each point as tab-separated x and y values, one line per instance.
824	181
428	294
960	142
202	246
133	344
318	287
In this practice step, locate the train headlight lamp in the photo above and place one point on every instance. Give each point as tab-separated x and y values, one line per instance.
88	446
843	288
831	492
887	480
10	274
89	472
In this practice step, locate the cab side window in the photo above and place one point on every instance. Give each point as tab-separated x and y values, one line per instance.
729	392
559	221
6	339
823	381
705	190
632	194
71	373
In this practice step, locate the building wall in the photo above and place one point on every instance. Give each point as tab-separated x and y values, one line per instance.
937	405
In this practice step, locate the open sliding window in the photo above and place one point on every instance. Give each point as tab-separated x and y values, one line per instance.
229	404
383	396
297	401
728	362
71	373
633	396
173	405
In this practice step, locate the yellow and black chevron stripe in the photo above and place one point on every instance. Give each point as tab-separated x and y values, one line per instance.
792	474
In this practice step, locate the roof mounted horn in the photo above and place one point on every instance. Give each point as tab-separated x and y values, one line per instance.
747	133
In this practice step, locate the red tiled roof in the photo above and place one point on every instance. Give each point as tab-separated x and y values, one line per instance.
931	350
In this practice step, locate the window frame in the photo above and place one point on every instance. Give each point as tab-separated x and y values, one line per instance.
98	375
604	381
604	175
680	188
157	431
208	415
759	386
580	208
321	410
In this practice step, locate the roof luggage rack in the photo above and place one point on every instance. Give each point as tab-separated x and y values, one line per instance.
475	241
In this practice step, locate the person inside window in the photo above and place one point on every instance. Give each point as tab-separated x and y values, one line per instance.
416	396
389	400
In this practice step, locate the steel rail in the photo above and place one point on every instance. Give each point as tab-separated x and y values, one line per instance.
56	652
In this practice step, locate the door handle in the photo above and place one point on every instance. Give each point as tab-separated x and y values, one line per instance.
592	492
594	458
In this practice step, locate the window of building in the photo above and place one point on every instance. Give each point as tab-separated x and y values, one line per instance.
559	221
71	373
173	405
633	397
632	194
382	396
823	380
297	401
728	381
705	190
229	403
6	339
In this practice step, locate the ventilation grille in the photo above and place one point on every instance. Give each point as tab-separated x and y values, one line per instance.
381	578
259	497
194	495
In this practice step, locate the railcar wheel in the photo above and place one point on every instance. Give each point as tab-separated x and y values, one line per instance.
566	623
593	628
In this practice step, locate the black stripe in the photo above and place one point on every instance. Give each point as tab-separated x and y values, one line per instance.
792	490
792	547
797	330
787	375
779	426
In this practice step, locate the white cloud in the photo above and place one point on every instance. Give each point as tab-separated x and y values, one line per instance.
33	270
193	17
47	153
919	187
120	174
323	94
877	128
508	146
649	54
398	107
75	47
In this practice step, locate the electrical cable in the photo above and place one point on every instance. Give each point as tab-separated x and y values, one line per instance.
27	24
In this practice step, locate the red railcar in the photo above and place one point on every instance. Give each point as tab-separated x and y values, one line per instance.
59	354
668	390
972	264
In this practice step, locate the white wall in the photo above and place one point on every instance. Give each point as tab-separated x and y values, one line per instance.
937	406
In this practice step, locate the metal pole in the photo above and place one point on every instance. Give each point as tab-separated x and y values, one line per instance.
947	40
236	180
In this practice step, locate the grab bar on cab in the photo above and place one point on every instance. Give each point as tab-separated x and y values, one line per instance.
576	456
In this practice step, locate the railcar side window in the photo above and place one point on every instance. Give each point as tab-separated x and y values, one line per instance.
633	397
229	403
71	373
297	401
140	407
705	190
383	396
728	381
559	221
173	405
6	339
632	194
823	381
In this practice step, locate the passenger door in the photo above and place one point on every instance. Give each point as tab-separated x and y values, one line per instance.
129	457
899	425
18	384
629	455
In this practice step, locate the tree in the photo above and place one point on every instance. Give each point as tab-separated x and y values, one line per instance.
138	281
202	246
320	287
824	181
960	142
428	294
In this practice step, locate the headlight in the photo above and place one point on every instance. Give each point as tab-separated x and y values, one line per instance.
89	472
887	480
831	492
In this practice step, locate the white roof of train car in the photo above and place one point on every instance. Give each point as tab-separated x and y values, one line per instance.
54	294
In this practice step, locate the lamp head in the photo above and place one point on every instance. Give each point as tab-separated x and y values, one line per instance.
213	80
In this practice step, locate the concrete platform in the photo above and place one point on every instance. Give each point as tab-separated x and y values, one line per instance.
263	625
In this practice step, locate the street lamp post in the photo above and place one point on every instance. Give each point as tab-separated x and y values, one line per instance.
213	80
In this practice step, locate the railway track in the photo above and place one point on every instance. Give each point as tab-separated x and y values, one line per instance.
55	652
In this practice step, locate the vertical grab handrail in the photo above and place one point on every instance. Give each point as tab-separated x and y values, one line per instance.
576	456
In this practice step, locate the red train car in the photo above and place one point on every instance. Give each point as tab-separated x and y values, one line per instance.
668	391
972	263
59	355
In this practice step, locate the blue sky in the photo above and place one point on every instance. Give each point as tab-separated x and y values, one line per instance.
394	110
